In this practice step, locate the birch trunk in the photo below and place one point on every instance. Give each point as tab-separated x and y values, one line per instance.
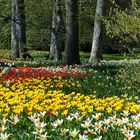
97	44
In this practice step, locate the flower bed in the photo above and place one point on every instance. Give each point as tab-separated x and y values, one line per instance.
35	105
42	72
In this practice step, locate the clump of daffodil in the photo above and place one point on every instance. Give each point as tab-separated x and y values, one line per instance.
3	128
40	130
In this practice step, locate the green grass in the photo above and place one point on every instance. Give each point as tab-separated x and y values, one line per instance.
121	56
84	56
4	53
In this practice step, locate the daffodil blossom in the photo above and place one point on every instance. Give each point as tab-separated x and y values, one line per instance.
75	115
98	138
136	125
135	118
40	125
98	126
54	124
42	113
3	128
125	113
129	134
64	131
43	136
69	118
15	119
83	137
87	123
4	136
73	133
96	116
91	131
107	122
3	121
59	122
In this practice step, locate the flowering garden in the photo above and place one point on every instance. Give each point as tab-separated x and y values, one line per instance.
70	103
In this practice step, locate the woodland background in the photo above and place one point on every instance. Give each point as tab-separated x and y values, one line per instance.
120	20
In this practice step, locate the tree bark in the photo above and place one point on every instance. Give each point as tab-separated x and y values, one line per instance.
125	5
14	31
138	3
97	42
71	52
56	37
18	29
21	27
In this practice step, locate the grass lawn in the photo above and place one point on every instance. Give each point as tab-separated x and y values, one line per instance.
84	56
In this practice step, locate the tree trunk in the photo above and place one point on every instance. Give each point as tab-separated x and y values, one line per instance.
56	37
138	3
18	29
71	52
14	31
125	5
21	27
97	42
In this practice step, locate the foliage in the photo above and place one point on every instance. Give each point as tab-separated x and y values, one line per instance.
86	20
5	39
122	28
38	19
38	22
122	24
